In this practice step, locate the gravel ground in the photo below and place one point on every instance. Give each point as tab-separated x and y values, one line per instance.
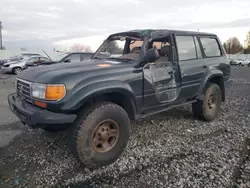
171	149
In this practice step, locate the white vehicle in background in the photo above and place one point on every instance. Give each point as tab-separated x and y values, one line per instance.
243	62
16	67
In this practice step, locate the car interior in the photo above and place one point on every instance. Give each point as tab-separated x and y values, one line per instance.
163	47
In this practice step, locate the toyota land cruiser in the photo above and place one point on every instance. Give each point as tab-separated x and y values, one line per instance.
132	75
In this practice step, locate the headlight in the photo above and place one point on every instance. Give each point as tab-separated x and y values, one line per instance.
48	92
38	91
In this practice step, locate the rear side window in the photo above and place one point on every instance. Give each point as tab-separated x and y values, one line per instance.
44	59
186	47
210	47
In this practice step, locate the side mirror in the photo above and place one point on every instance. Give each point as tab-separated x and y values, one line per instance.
151	55
67	60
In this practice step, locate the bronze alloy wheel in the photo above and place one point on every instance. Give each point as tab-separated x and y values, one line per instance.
105	136
100	134
208	108
211	103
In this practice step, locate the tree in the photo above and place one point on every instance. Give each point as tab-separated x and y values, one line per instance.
80	48
247	43
233	46
113	48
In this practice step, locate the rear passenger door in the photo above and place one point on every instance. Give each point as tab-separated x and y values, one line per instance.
191	63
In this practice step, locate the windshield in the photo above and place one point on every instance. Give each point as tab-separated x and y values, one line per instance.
120	47
59	57
16	57
23	58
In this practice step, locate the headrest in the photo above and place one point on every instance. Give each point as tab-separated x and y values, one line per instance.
164	51
136	49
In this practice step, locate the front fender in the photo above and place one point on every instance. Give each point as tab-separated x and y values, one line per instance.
80	96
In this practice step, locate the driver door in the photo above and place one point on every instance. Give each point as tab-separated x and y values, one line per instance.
160	83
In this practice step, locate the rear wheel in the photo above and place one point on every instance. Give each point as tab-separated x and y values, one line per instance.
209	108
100	134
17	70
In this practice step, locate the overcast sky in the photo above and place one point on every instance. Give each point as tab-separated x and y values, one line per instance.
60	23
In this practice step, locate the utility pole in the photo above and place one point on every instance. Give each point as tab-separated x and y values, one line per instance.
1	37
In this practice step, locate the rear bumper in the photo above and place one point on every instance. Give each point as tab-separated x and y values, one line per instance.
35	116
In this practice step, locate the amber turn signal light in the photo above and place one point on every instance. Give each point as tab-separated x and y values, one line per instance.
55	92
40	104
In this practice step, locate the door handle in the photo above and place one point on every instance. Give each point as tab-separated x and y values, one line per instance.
204	66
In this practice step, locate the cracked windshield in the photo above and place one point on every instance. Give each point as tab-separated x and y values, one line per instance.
124	94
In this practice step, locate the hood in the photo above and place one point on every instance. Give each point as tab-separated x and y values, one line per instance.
11	62
58	72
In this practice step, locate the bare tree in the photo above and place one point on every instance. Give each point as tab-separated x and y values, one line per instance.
80	48
233	45
247	43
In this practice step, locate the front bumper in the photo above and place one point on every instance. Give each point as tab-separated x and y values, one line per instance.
35	116
6	69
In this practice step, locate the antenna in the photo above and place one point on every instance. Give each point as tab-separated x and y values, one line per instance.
46	54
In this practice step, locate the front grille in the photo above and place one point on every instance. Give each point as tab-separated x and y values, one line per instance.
6	65
24	90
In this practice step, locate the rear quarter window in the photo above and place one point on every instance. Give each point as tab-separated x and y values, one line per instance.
210	47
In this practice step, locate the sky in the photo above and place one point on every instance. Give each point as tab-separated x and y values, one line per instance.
48	24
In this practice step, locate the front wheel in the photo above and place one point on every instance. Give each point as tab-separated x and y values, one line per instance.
100	134
209	108
16	70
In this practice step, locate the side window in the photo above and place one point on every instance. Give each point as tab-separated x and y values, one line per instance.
115	48
74	57
85	56
211	47
163	47
33	59
44	59
186	48
198	49
135	45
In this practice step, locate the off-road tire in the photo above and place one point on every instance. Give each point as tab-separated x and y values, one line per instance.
81	138
201	108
